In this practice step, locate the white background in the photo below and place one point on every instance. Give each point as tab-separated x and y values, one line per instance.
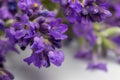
71	69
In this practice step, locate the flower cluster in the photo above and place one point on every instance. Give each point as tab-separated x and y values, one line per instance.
82	14
92	10
28	23
5	46
39	28
113	6
7	11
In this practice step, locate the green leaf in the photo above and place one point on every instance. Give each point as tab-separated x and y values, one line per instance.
96	26
49	5
9	22
1	32
111	32
108	43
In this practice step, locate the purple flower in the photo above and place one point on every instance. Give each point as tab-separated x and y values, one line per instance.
23	28
38	45
87	9
100	66
5	14
56	57
57	29
43	54
43	59
6	46
5	75
95	13
114	20
84	55
12	6
10	37
85	29
38	60
28	6
23	31
41	30
95	64
75	4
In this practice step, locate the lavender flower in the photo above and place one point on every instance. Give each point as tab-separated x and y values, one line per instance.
42	31
28	23
100	66
29	6
114	8
21	29
84	55
95	64
56	57
75	9
85	29
6	46
12	6
5	75
43	54
5	14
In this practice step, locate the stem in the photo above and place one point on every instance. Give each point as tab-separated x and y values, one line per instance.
83	2
95	58
104	50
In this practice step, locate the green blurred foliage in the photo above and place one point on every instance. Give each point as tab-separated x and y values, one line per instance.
49	5
1	32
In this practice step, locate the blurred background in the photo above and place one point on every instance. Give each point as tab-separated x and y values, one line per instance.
71	69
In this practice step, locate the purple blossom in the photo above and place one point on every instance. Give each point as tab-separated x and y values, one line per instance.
38	60
5	75
38	44
56	57
6	46
22	29
12	6
5	14
78	10
114	20
84	55
42	31
28	6
85	29
95	64
43	54
100	66
46	56
82	15
57	30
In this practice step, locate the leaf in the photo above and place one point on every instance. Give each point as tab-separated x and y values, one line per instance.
49	5
111	32
1	33
96	26
108	43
